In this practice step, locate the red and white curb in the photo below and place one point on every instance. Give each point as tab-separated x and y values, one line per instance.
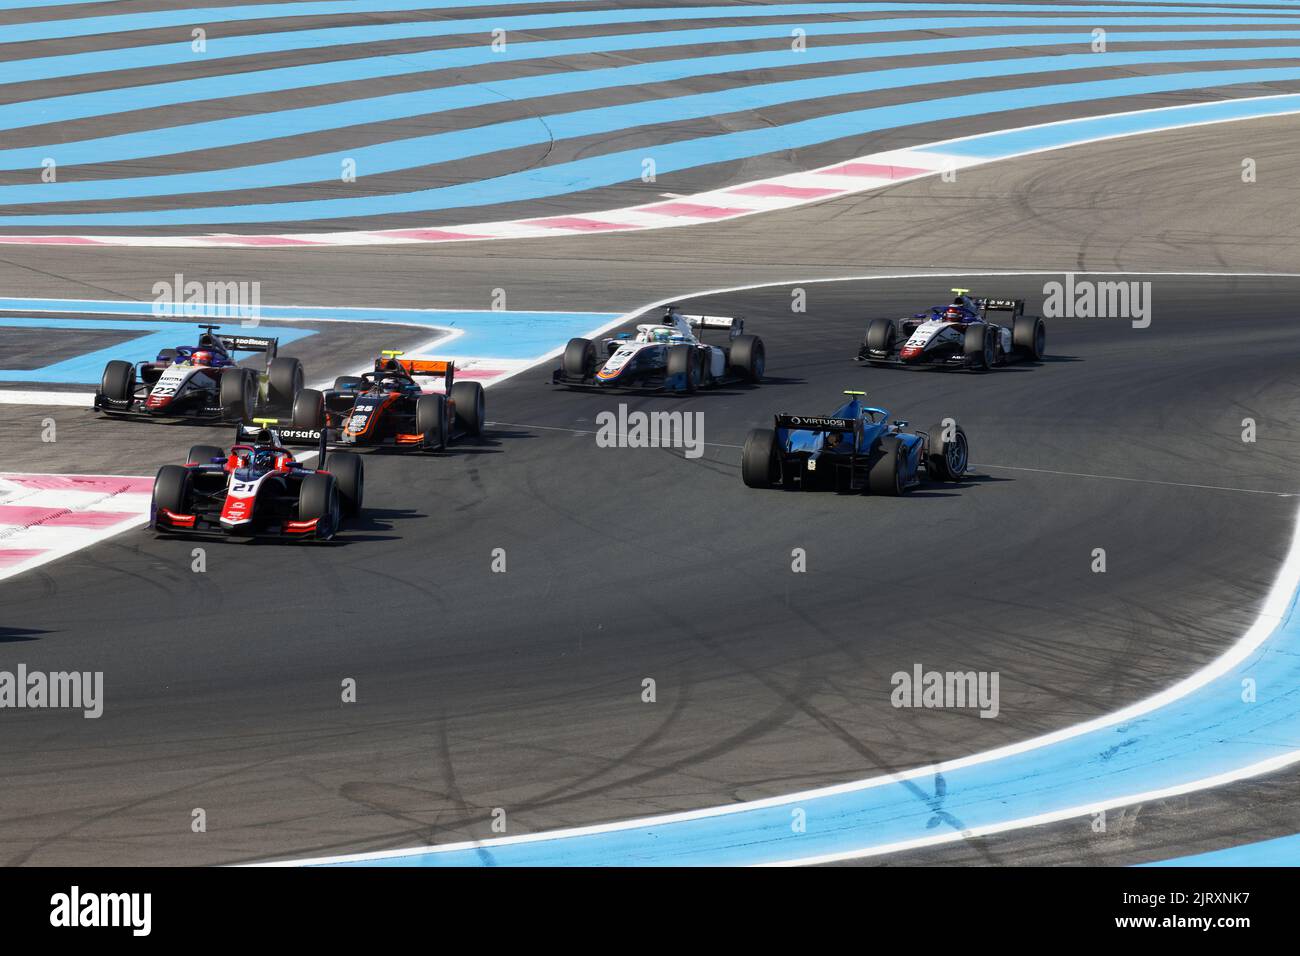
731	202
46	517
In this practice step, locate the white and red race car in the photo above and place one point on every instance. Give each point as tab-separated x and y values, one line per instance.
958	335
257	489
666	355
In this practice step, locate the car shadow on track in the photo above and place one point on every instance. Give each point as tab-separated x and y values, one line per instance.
14	635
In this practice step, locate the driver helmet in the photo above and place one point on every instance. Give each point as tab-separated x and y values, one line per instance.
264	460
663	335
200	357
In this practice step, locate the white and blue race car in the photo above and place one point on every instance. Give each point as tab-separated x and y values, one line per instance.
961	334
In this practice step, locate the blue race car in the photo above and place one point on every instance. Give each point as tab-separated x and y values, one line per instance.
855	448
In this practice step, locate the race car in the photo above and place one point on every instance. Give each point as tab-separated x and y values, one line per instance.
854	448
665	356
257	489
202	381
961	334
391	406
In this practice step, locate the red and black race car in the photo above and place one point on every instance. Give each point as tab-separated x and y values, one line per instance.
395	406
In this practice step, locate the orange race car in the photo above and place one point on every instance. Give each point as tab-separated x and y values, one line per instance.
396	405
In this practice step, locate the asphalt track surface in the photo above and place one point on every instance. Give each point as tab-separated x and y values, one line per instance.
523	690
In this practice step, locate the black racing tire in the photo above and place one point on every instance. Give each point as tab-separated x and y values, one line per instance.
467	397
349	476
748	358
759	467
885	472
981	346
881	335
318	498
286	381
947	460
683	363
309	409
579	358
344	382
705	374
203	455
239	393
431	421
1029	337
118	382
171	489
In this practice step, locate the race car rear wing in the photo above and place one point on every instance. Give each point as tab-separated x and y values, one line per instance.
810	423
246	343
1004	305
284	435
430	368
733	325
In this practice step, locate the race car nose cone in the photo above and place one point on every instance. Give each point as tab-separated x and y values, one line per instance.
157	401
910	352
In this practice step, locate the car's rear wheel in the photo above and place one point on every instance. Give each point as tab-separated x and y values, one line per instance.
1029	336
349	476
467	397
431	421
203	454
748	357
683	366
309	409
239	393
948	452
981	346
171	489
286	381
318	499
579	358
759	467
885	473
118	382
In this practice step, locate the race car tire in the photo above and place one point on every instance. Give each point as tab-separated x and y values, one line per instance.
286	380
319	498
344	382
748	357
171	489
349	476
947	460
468	399
431	421
880	337
885	472
580	358
980	346
1029	337
203	455
118	382
309	409
759	467
239	393
705	375
683	363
